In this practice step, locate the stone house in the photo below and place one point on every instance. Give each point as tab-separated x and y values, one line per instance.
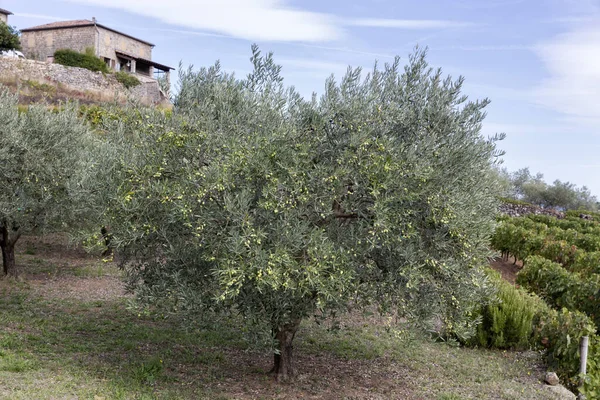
4	15
120	51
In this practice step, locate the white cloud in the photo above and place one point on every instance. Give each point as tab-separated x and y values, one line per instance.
39	16
502	47
407	23
270	20
573	83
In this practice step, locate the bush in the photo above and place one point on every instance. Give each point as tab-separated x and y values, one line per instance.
560	333
85	60
551	281
587	263
519	320
508	322
561	288
559	251
127	80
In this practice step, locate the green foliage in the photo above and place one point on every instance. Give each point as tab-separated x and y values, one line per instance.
519	241
127	80
87	60
562	267
250	199
563	241
524	186
560	332
577	213
559	251
507	322
561	288
587	263
96	115
9	38
591	387
43	153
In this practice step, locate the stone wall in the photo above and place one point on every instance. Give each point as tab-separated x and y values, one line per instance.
39	45
519	210
38	80
110	41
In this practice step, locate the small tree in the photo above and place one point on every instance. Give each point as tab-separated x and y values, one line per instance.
9	38
252	200
42	153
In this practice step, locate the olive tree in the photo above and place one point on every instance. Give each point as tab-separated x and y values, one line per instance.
251	200
42	153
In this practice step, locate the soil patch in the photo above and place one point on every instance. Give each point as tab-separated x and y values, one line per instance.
507	268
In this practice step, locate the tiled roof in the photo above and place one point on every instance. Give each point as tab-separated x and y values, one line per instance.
61	24
78	23
5	12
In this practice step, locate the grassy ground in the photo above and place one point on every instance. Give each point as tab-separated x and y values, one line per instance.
66	332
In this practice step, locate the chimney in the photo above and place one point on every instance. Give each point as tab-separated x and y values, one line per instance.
94	20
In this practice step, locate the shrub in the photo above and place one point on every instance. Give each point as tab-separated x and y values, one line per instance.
85	60
560	333
127	80
561	288
519	320
508	322
551	281
9	38
587	263
559	251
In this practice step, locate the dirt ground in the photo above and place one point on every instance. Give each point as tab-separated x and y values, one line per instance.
85	296
507	268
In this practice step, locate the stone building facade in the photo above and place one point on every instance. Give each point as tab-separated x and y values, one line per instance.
120	51
4	15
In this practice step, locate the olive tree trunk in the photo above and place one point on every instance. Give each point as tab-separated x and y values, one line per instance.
7	243
283	365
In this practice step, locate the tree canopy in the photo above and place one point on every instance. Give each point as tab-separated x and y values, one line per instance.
9	38
522	185
249	199
42	153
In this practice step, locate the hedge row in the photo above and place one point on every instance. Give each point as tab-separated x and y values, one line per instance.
85	60
575	251
561	288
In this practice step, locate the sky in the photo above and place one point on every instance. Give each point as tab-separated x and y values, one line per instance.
538	61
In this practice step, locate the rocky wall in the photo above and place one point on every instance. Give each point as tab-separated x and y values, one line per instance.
519	210
61	83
